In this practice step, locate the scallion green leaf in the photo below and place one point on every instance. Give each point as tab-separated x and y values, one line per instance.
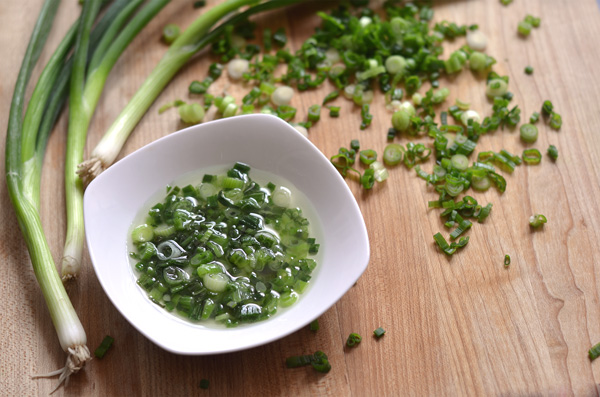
532	156
379	332
537	220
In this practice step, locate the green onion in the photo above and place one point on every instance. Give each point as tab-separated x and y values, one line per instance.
367	179
379	332
478	61
555	121
528	133
401	120
532	156
280	38
537	220
460	162
204	384
449	249
331	96
393	154
314	113
267	39
353	340
480	183
506	261
534	21
334	111
524	28
191	41
496	88
594	352
534	118
23	169
553	152
314	325
84	94
547	108
191	113
104	346
366	117
318	361
529	70
170	33
395	65
368	156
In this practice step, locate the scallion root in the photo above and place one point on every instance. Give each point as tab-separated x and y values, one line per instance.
77	357
90	169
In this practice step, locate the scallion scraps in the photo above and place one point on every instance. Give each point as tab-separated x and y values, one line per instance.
319	361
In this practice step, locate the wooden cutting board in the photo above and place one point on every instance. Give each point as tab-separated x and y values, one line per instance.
455	326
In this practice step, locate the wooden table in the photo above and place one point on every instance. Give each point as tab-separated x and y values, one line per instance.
458	326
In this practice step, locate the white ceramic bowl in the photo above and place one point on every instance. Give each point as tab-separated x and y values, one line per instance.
113	200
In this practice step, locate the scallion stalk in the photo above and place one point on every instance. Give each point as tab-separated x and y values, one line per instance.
192	40
83	98
24	195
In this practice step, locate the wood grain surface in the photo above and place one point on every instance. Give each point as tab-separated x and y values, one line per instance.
458	326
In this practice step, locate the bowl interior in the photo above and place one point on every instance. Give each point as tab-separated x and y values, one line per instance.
114	199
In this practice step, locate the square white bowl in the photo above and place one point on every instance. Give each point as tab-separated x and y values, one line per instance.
114	199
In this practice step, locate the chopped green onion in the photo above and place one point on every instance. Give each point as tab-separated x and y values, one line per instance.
534	21
355	145
331	96
481	184
318	361
314	113
393	154
334	111
314	325
594	352
506	261
553	152
555	121
236	68
477	61
170	33
460	162
496	88
104	346
366	117
204	384
449	249
280	38
395	65
282	95
528	133
267	39
367	179
529	70
535	117
476	40
353	340
524	28
537	220
532	156
379	332
401	120
191	113
368	156
547	108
